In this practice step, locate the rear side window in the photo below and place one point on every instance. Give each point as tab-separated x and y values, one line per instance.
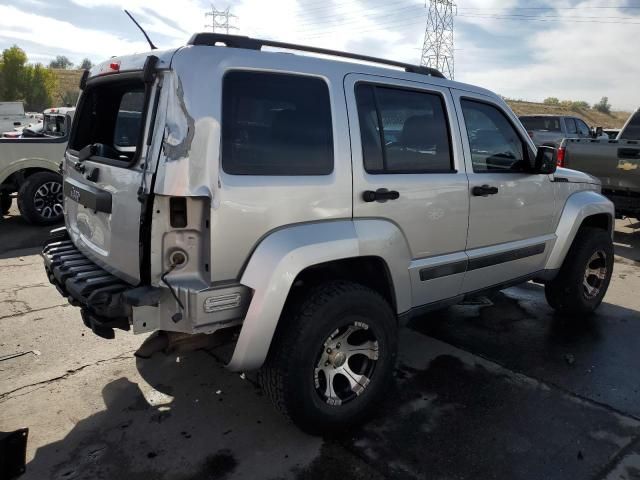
495	145
276	124
110	117
403	131
571	125
546	124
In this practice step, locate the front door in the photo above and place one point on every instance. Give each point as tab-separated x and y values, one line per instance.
407	170
511	214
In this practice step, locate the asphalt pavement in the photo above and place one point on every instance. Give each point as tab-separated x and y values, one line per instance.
499	388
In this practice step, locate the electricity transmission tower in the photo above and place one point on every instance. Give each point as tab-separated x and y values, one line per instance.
437	49
220	20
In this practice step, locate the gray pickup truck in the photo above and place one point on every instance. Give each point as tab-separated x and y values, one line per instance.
615	162
549	130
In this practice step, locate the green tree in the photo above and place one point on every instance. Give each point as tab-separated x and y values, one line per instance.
11	72
551	101
86	64
39	85
603	105
61	62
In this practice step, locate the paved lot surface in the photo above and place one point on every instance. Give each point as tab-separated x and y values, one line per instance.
501	390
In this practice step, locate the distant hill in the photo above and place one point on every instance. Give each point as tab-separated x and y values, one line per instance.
593	118
69	81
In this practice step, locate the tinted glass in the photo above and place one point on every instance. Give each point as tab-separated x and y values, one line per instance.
571	125
495	145
109	116
583	129
403	131
128	120
276	124
547	124
632	130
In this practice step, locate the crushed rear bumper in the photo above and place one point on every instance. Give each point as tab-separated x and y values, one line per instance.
99	293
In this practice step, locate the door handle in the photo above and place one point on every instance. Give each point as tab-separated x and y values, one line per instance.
380	195
484	191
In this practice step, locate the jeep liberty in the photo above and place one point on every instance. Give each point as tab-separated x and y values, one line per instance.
310	205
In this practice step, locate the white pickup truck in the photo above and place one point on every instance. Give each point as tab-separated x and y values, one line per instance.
29	167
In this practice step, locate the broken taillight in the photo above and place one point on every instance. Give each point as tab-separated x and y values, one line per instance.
560	156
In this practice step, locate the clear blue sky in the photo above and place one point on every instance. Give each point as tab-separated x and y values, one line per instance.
579	50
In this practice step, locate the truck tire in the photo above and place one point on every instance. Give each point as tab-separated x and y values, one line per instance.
40	198
584	277
5	203
331	361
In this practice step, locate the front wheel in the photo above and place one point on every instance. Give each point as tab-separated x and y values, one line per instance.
40	198
332	361
585	274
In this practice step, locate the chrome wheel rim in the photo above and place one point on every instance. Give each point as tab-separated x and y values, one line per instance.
346	364
595	274
48	200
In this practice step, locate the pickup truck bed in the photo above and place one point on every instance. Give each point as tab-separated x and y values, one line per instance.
615	162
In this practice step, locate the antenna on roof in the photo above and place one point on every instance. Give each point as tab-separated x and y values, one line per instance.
153	47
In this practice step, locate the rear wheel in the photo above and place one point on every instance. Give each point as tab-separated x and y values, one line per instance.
5	202
584	277
40	198
332	361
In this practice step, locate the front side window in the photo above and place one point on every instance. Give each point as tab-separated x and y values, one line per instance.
276	124
110	117
403	131
495	144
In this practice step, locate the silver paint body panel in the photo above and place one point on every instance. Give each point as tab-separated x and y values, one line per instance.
253	235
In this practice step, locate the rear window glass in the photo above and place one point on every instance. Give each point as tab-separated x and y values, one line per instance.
548	124
276	124
632	130
110	117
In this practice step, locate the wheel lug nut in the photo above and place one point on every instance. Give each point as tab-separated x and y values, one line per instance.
338	346
326	364
328	350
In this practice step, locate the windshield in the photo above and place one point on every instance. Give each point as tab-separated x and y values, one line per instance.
548	124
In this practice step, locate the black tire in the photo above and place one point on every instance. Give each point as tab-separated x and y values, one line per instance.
40	198
592	249
291	376
5	203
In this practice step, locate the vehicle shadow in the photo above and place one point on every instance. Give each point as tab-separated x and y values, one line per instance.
17	237
188	418
627	243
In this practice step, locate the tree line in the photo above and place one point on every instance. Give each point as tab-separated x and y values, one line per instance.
602	106
34	84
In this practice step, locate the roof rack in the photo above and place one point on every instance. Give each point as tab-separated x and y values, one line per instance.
240	41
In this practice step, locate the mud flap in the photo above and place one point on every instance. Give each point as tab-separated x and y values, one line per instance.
13	453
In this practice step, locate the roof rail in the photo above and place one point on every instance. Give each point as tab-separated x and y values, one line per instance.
240	41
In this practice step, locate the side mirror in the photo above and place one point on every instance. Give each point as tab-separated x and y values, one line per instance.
545	162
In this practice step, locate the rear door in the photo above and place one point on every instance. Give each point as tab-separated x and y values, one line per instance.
405	139
105	169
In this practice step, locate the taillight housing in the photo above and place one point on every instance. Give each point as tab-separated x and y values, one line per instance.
560	156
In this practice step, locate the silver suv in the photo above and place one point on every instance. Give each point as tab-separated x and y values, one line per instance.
309	206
